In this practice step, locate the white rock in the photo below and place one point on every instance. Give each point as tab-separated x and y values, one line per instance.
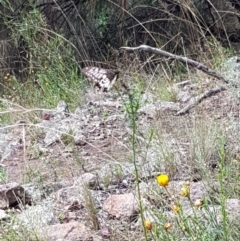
121	206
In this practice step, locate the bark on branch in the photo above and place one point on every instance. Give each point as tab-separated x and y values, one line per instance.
199	99
182	59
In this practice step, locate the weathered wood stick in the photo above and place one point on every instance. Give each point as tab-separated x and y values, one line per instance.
199	99
182	59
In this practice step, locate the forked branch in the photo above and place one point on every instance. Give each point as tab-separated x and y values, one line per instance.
182	59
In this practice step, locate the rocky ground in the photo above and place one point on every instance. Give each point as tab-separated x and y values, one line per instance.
70	175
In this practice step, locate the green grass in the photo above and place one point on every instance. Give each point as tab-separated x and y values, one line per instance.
52	71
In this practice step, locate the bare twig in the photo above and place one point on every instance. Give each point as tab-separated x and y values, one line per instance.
200	98
182	59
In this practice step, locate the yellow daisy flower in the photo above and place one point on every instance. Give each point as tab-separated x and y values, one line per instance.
163	180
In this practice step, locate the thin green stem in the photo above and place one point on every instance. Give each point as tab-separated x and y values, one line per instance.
134	129
131	108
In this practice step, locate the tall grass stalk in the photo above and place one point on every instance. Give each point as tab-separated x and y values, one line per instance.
132	106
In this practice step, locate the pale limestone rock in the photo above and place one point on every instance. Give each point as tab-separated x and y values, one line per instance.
68	232
121	206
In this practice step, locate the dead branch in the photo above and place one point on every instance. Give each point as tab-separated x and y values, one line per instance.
182	59
200	98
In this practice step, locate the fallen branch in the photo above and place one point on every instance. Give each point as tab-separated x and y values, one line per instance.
200	98
182	59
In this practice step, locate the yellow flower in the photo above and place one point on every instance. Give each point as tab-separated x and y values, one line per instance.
148	225
47	84
198	203
163	180
167	226
175	208
185	191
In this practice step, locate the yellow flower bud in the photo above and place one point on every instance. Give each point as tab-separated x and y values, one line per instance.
198	203
175	208
167	226
148	225
163	180
185	191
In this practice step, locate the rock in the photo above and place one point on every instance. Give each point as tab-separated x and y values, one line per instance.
38	216
69	195
62	109
233	207
51	137
3	214
34	191
55	123
55	129
59	113
86	179
37	194
181	91
82	115
147	98
77	193
11	194
121	206
167	106
10	151
198	190
149	110
152	110
72	231
106	232
80	139
183	96
230	70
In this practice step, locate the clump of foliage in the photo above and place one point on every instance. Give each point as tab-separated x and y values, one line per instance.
51	72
